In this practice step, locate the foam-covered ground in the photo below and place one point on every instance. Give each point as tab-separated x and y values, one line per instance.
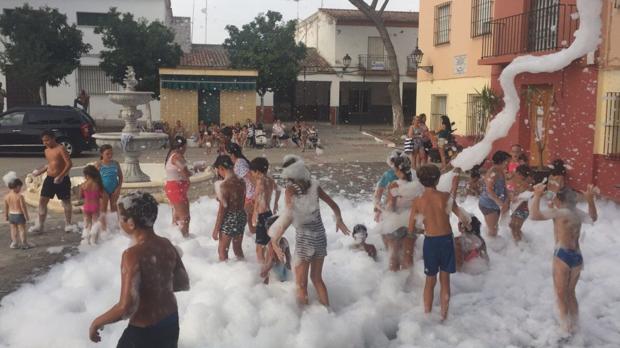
510	305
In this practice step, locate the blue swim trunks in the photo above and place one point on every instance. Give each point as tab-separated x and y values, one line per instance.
572	258
438	254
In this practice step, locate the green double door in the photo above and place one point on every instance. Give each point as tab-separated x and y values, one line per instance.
209	106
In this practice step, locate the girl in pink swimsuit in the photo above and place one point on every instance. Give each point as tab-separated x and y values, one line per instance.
91	191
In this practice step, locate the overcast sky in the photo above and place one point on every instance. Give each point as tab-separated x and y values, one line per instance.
238	12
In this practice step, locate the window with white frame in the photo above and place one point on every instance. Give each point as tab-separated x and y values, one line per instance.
94	80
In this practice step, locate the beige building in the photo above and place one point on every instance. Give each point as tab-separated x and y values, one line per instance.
449	77
204	87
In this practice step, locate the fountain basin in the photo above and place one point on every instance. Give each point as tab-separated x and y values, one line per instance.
129	98
201	185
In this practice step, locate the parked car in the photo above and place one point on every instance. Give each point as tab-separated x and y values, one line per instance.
21	127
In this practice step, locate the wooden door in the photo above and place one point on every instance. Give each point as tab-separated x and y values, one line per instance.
209	106
539	99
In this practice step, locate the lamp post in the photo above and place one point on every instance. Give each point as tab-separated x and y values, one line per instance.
416	57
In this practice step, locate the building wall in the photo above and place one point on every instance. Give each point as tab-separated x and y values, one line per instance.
353	40
237	106
456	91
608	81
461	43
177	104
319	31
104	111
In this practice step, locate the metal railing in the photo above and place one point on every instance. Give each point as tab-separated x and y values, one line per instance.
612	125
548	28
374	63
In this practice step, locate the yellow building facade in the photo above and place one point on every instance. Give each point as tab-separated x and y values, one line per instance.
449	77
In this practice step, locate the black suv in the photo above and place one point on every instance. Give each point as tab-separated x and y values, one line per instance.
21	127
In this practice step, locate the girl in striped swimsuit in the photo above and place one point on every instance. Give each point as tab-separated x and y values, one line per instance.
302	211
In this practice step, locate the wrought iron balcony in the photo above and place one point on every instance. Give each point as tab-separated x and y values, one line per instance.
370	63
545	29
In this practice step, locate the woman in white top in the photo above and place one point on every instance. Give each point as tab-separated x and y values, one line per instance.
177	183
278	133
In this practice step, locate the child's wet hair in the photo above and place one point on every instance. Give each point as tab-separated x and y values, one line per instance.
403	164
139	206
223	161
500	157
103	148
428	175
359	228
15	183
475	226
567	196
92	172
558	168
524	170
259	164
48	133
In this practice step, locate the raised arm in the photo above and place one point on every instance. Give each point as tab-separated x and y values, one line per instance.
129	298
589	196
336	209
535	213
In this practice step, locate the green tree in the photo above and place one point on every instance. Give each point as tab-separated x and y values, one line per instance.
267	44
146	46
39	46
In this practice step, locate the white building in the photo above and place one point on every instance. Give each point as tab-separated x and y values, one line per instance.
326	91
89	76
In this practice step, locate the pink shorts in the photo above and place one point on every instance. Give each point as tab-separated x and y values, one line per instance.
176	191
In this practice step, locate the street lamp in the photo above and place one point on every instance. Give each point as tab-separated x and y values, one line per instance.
346	61
416	57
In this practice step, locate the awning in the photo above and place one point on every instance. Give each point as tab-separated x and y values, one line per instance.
219	83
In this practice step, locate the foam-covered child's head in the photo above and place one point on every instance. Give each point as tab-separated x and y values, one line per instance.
566	198
360	233
140	207
428	175
260	165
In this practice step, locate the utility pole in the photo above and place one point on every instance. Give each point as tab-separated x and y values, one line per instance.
204	10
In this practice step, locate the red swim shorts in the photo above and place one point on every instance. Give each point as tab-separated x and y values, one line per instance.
176	191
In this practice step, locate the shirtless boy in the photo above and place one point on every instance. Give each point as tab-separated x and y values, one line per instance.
265	187
567	260
151	271
57	183
359	234
434	208
231	216
16	214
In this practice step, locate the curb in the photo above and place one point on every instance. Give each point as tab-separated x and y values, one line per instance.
378	139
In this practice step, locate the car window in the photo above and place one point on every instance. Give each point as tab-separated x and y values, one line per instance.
12	119
45	117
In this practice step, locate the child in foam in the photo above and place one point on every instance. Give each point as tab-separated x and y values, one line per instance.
280	269
360	233
231	216
494	200
265	188
433	208
16	212
401	194
302	210
567	260
386	179
520	183
151	271
177	183
91	191
470	246
112	178
242	170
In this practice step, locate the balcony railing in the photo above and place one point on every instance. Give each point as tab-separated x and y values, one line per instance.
548	28
372	63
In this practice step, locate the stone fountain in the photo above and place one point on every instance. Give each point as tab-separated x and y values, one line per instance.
130	140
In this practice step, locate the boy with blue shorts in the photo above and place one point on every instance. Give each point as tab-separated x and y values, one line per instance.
434	208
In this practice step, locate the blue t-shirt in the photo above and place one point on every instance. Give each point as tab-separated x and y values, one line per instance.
387	178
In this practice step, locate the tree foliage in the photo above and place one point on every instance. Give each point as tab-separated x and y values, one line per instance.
146	46
267	44
39	46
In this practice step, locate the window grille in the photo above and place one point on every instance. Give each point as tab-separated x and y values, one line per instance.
442	23
477	118
612	125
481	15
94	81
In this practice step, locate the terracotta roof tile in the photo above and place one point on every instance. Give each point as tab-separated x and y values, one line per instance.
314	62
207	56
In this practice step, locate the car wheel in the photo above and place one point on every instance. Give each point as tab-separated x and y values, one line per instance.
68	146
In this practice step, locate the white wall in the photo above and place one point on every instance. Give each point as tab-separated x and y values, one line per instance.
353	40
319	31
101	108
